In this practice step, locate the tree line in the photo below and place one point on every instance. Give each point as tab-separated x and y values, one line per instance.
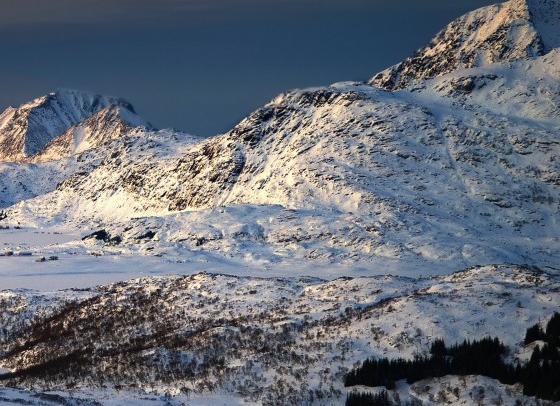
540	376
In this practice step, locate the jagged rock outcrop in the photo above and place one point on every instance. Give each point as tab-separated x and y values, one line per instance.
502	32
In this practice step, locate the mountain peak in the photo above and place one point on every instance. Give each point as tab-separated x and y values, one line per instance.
106	124
25	130
503	32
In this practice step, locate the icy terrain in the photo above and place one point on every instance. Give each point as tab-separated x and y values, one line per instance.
331	225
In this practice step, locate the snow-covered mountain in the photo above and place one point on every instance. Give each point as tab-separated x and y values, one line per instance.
453	171
106	124
63	123
449	161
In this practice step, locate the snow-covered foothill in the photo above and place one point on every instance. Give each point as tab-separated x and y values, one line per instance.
267	340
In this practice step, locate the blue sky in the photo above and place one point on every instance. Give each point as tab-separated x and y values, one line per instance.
202	65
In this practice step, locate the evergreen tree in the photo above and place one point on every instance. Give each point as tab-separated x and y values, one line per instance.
438	348
553	330
533	333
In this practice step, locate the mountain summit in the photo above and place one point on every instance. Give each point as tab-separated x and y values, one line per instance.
25	130
502	32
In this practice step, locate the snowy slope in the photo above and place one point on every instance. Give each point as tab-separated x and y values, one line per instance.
25	130
23	181
281	341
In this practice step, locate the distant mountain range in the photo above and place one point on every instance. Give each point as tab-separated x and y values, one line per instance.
448	159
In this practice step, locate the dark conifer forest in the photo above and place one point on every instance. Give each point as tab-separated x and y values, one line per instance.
540	376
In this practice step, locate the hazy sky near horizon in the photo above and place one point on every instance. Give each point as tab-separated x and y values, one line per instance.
200	66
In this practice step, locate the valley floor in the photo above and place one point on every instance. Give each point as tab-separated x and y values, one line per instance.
79	265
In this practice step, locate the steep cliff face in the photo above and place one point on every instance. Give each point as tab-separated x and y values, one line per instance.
25	130
503	32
